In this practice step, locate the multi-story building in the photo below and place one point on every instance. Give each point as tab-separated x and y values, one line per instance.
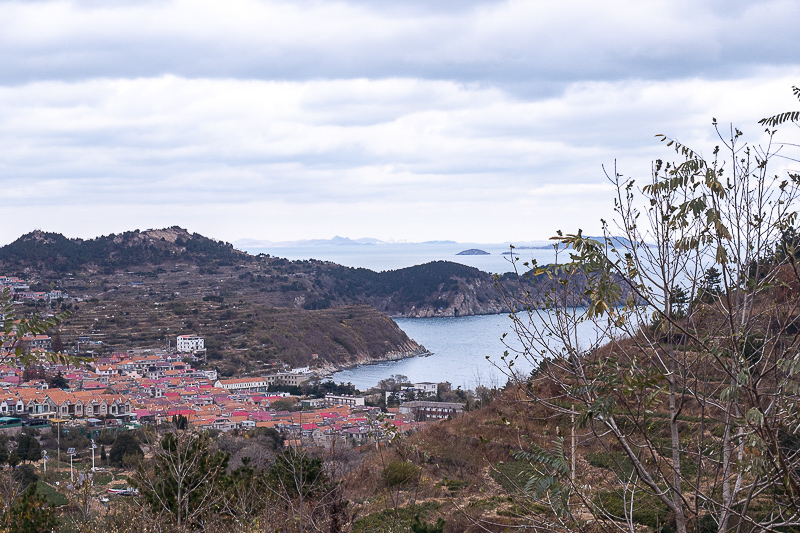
423	411
341	399
190	343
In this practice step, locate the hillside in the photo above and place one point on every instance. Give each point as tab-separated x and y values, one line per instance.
56	253
244	337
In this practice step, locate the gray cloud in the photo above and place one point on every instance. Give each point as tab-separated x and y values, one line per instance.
528	46
411	120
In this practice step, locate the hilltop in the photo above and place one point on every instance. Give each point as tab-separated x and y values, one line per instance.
58	254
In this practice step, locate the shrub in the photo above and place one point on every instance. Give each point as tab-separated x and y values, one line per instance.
126	450
400	473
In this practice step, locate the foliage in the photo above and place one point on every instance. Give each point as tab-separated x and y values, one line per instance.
28	448
31	513
646	510
780	118
297	474
393	383
125	448
25	475
400	473
412	286
128	249
16	328
418	526
383	521
58	381
183	482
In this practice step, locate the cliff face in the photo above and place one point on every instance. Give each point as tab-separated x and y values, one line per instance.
464	303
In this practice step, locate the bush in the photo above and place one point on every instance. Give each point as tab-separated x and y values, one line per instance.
648	511
125	451
400	473
31	513
25	475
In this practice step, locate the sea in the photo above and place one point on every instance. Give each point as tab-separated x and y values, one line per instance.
381	257
465	351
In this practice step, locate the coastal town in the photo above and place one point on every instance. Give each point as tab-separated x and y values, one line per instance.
157	386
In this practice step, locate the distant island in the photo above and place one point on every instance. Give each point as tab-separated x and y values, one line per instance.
335	241
473	251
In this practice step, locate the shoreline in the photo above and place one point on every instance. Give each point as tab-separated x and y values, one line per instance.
330	369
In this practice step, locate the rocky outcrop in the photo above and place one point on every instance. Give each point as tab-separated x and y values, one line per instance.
466	303
412	349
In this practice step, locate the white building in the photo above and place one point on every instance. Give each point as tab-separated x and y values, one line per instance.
190	343
242	384
341	399
425	388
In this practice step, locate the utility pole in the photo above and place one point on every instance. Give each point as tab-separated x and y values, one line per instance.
58	446
573	444
94	447
71	453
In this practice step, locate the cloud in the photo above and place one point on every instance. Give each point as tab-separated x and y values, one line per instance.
470	120
529	46
442	147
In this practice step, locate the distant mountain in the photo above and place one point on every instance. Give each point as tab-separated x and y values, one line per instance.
620	242
335	241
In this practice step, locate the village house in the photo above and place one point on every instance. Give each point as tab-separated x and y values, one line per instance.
423	411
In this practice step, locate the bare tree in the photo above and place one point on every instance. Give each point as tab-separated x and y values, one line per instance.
181	480
301	495
681	393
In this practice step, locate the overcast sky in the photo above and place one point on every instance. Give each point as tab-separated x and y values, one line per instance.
468	120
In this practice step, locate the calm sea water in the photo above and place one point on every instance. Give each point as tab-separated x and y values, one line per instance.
460	346
460	349
380	257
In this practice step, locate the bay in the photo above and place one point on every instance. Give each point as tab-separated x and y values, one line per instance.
460	347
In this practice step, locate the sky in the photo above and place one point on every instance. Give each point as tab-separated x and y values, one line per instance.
469	120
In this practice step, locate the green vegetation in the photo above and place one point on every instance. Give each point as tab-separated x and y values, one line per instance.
126	450
400	473
31	513
53	497
390	520
129	249
512	475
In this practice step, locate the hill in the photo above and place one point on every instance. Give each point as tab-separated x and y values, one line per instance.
161	263
54	252
242	337
140	288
